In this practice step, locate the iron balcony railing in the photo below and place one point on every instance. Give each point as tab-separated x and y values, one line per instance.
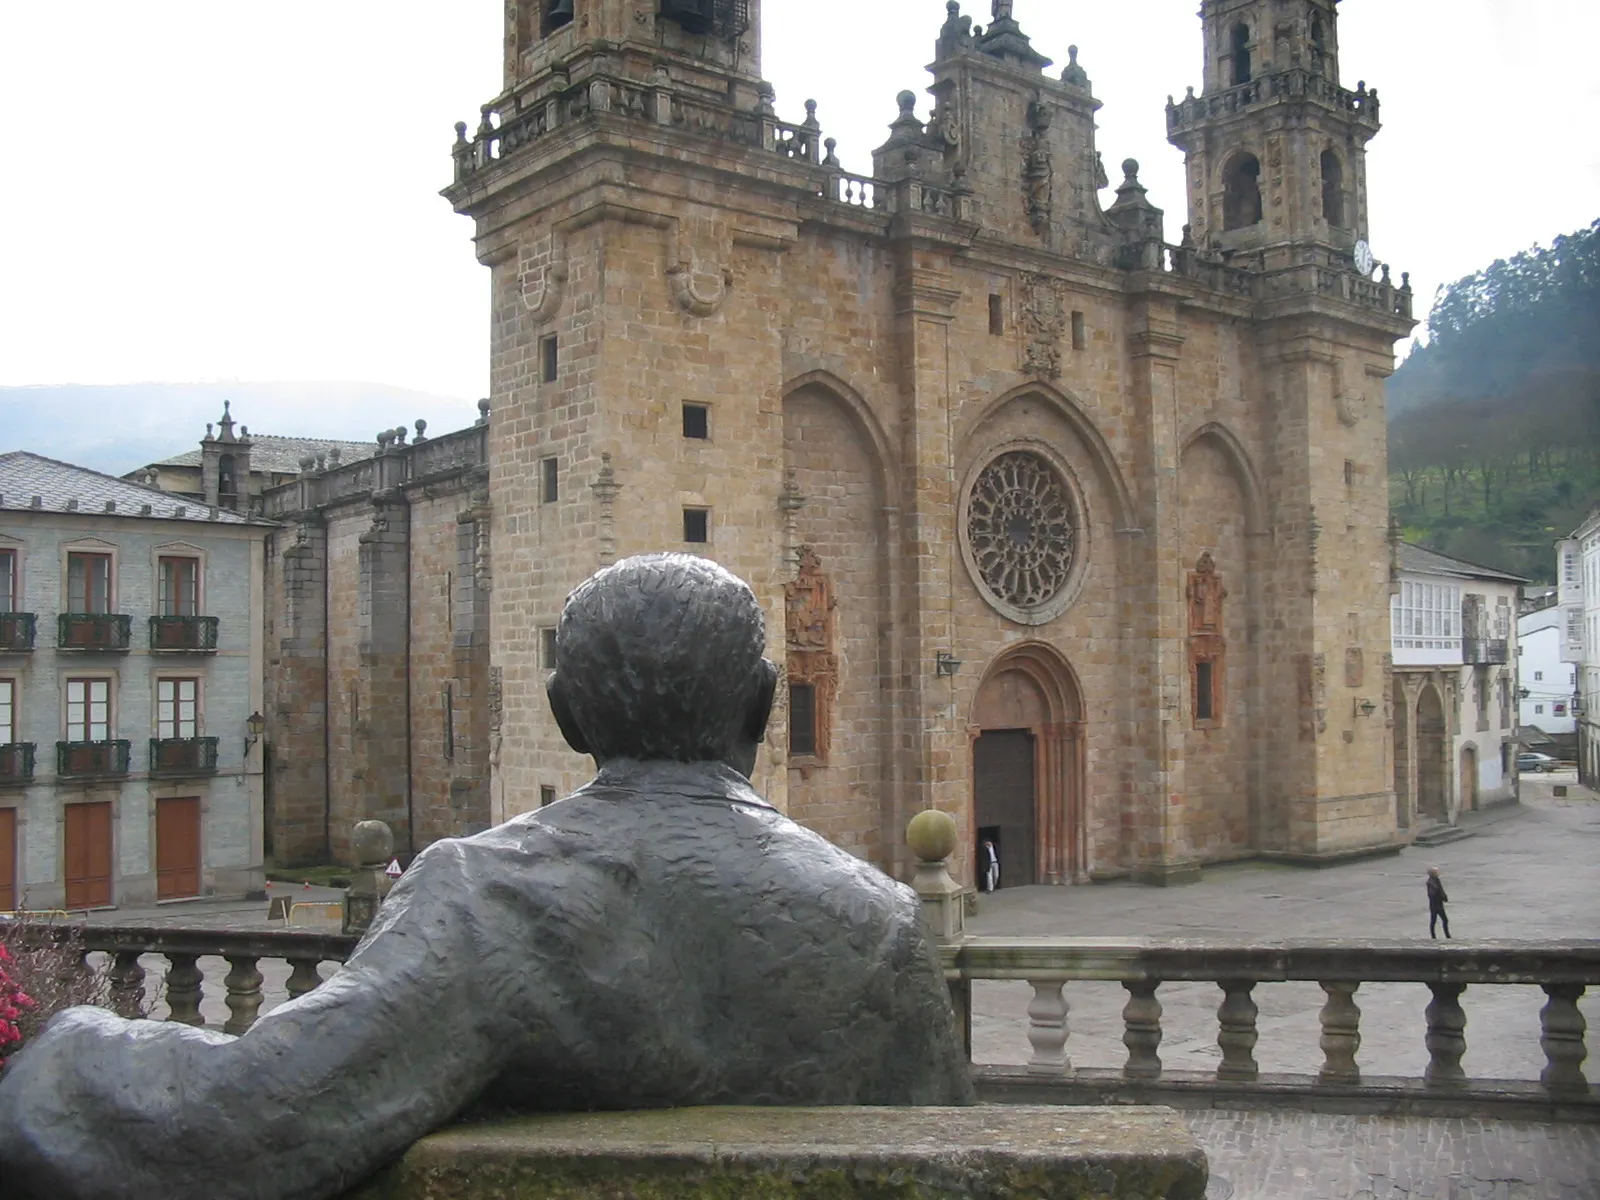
1485	651
16	763
94	631
17	631
184	634
91	760
171	757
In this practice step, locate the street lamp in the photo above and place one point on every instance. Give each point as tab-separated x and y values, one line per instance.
945	664
254	726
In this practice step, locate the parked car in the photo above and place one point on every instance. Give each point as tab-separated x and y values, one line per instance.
1529	761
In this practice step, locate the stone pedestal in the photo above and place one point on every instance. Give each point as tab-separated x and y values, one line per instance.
373	844
1053	1153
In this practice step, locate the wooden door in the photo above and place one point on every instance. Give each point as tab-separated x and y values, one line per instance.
1003	793
177	847
88	855
8	859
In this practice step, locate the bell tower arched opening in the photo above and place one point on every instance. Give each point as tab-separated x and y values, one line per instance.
1333	189
1028	769
1241	202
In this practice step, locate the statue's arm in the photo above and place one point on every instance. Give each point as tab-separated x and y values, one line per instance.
315	1096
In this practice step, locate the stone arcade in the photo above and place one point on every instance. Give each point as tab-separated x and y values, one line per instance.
1076	528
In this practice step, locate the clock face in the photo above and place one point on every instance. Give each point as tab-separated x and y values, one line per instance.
1364	263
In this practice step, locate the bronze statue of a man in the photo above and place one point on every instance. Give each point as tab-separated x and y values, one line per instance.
662	937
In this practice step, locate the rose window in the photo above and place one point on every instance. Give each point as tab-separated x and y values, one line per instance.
1021	530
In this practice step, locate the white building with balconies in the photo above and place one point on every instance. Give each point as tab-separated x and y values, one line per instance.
1578	597
1454	634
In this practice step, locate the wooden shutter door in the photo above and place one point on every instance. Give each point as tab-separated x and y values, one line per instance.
8	859
88	855
177	848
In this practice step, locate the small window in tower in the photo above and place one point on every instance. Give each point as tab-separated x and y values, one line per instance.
227	482
557	13
1241	199
1241	54
1205	698
549	480
997	314
1318	37
1080	332
696	525
547	795
802	718
547	648
697	421
1332	189
1349	473
549	358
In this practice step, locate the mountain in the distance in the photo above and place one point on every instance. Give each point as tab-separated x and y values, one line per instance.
117	427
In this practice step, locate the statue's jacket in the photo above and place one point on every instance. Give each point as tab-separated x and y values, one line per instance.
663	937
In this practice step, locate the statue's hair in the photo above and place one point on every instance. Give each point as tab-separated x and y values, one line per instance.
660	657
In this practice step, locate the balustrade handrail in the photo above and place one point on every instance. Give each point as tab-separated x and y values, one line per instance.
1179	960
159	939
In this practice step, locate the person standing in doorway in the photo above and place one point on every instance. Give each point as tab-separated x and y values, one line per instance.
988	866
1436	902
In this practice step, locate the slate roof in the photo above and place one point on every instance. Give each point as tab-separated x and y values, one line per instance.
1430	562
281	455
62	488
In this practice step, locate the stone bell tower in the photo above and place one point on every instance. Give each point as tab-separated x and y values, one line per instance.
1274	150
1275	147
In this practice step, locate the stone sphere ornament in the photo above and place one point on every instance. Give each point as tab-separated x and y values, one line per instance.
932	835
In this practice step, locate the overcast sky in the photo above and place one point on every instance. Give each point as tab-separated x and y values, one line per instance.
213	190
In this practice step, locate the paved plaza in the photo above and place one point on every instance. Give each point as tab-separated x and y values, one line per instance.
1529	871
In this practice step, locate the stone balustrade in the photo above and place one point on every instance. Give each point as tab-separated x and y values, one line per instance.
1295	83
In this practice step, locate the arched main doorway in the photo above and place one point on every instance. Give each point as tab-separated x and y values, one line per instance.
1469	779
1432	784
1027	768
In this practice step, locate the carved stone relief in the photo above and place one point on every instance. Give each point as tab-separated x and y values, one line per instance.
542	277
1038	170
812	657
1044	320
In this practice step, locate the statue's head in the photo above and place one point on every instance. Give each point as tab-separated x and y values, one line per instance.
660	657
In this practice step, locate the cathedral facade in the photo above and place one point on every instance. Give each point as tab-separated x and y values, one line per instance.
1073	531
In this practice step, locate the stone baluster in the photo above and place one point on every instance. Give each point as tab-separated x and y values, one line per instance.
1047	1028
127	983
185	985
1563	1028
303	976
1141	1017
244	992
1236	1032
1341	1033
1445	1038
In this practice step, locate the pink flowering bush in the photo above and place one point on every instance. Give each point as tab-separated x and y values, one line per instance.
14	1003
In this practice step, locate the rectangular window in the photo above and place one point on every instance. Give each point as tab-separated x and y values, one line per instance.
1538	674
696	421
547	648
1538	710
997	314
177	708
180	587
547	795
1080	332
89	583
8	711
549	480
696	525
88	710
549	358
9	599
1204	696
802	718
447	711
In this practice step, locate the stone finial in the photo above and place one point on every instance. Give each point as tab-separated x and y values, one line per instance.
307	462
483	411
766	98
1076	76
372	842
422	431
461	133
811	121
907	100
1005	40
831	145
244	432
385	436
208	431
933	836
400	435
333	456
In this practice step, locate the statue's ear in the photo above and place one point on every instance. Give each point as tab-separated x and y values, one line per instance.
563	713
761	707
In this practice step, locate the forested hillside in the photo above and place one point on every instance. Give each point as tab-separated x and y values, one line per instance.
1494	425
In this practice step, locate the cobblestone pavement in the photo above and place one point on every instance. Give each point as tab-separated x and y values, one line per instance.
1286	1156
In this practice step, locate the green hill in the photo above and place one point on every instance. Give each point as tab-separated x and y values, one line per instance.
1494	425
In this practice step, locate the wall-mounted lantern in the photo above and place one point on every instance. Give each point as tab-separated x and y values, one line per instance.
254	726
1365	708
945	664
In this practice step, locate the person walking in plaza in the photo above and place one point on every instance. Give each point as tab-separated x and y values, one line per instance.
1436	902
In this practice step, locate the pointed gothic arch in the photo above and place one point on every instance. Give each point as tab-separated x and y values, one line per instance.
1072	412
860	413
1244	470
